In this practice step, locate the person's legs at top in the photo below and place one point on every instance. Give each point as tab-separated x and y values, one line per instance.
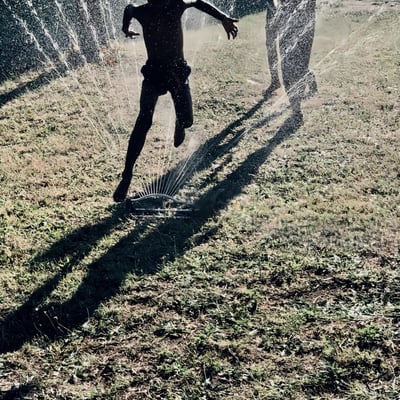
295	43
148	100
271	33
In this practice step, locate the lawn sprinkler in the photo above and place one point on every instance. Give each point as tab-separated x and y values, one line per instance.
159	206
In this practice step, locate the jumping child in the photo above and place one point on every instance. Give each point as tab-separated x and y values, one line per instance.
165	70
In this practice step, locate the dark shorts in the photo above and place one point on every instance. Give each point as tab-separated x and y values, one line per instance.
167	77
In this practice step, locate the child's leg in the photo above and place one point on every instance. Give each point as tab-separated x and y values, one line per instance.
307	43
182	99
148	100
295	47
271	31
293	80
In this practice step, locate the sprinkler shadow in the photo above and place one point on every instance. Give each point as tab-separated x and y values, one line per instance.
141	251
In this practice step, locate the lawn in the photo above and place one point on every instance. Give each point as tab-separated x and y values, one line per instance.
283	280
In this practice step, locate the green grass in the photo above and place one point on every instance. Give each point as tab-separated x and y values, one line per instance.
283	285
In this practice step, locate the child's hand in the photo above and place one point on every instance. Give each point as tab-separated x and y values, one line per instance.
131	34
230	27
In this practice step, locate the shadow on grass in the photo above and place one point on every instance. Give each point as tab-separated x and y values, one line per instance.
142	251
43	79
20	392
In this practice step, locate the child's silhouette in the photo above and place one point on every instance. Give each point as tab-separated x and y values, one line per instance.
165	70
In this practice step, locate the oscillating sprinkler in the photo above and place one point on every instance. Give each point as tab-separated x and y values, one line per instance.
159	206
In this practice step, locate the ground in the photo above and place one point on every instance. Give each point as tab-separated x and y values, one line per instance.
283	283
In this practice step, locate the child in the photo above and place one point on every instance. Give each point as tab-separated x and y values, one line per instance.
165	70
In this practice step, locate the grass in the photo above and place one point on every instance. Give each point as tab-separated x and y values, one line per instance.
284	284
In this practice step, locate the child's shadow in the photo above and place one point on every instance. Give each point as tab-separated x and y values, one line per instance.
141	251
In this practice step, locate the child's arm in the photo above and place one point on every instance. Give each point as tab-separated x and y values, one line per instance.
128	15
227	22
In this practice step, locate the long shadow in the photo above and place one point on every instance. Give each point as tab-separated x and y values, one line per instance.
43	79
142	251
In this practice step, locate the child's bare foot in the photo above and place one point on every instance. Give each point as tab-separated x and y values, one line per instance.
312	86
271	88
179	135
297	118
122	190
